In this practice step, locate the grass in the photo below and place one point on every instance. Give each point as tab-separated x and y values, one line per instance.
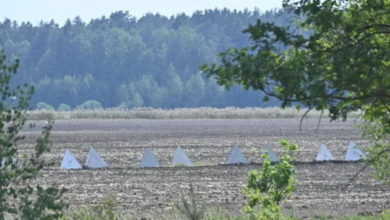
385	215
179	113
108	212
186	209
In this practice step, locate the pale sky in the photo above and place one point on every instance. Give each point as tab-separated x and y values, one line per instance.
35	11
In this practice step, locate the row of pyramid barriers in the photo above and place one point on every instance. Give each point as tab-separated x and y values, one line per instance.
94	160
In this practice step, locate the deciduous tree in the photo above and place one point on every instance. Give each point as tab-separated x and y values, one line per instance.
341	63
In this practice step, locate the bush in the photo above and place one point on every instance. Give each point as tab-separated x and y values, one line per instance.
20	197
90	105
269	187
64	108
123	106
44	106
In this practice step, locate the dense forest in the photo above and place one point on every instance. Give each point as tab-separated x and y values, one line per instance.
120	60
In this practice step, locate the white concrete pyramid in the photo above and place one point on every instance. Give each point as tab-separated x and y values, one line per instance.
181	158
324	154
69	161
148	159
236	157
353	153
271	154
94	160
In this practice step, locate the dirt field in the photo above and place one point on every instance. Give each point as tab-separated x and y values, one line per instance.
148	192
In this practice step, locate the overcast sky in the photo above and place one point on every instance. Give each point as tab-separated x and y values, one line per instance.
35	11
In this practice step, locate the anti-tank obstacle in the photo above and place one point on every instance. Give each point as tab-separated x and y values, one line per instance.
94	160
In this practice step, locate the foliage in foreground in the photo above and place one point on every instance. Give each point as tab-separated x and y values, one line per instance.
19	197
343	65
107	211
385	215
269	187
379	151
189	208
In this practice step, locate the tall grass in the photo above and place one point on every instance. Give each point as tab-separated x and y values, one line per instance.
105	211
385	215
188	208
108	212
178	113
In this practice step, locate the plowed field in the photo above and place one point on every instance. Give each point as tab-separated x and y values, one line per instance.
147	192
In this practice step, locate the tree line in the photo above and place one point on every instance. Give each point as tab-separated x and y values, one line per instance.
131	62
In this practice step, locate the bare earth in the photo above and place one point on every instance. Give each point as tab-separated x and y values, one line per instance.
322	188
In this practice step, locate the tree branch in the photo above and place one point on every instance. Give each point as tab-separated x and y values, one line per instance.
303	116
365	166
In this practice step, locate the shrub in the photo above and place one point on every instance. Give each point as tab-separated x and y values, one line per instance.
123	106
90	105
44	106
64	108
269	187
